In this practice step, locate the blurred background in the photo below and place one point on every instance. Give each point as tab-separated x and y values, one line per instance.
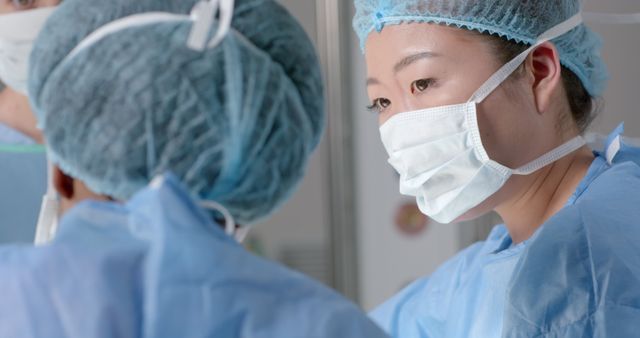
347	226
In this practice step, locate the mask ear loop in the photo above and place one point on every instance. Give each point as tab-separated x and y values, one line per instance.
242	233
505	71
229	223
202	15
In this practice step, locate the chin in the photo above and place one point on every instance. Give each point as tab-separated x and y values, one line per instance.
474	213
468	216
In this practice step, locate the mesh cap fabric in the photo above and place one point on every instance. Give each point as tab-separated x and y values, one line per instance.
521	21
235	123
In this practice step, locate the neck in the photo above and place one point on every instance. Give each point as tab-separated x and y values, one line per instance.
16	113
544	194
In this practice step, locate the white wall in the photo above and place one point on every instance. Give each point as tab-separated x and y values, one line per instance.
621	50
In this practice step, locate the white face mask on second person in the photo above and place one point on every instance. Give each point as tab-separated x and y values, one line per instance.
18	31
440	157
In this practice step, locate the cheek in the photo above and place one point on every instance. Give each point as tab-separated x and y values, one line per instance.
490	115
503	122
384	117
491	203
6	8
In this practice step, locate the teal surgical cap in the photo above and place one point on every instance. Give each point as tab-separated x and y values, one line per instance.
235	123
521	21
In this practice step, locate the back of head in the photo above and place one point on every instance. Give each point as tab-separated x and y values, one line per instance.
236	123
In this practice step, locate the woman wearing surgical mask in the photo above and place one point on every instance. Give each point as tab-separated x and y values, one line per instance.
482	105
164	137
22	158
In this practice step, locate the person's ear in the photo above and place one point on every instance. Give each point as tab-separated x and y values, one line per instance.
543	67
63	183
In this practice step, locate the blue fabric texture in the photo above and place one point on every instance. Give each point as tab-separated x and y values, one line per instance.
519	21
236	123
23	181
460	299
144	270
577	276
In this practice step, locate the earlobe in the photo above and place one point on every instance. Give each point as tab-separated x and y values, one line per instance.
63	183
544	63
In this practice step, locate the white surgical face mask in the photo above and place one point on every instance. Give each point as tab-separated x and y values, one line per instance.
18	31
439	154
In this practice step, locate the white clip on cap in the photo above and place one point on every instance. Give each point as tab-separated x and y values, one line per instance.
203	16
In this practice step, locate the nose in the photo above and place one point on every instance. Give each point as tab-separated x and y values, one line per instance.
402	104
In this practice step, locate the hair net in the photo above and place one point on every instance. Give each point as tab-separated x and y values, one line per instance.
521	21
235	123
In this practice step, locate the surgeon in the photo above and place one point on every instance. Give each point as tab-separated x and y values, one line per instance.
483	106
172	126
23	168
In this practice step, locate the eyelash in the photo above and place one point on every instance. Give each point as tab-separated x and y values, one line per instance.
23	4
375	106
428	84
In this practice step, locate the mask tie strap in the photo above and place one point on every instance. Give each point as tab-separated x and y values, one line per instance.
113	27
229	222
202	16
613	144
551	157
48	217
503	73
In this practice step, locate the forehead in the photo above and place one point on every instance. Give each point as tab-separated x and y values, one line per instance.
397	41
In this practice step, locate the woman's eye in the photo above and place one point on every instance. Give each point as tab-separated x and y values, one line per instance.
23	4
379	105
421	85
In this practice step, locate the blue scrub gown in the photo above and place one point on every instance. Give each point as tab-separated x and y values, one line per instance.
158	267
577	276
23	182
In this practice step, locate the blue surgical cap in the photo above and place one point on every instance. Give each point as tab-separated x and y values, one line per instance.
516	20
235	123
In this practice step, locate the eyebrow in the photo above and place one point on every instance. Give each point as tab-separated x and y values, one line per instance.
372	81
404	63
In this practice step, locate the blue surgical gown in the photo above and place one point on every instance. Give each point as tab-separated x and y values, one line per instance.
577	276
23	181
157	266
